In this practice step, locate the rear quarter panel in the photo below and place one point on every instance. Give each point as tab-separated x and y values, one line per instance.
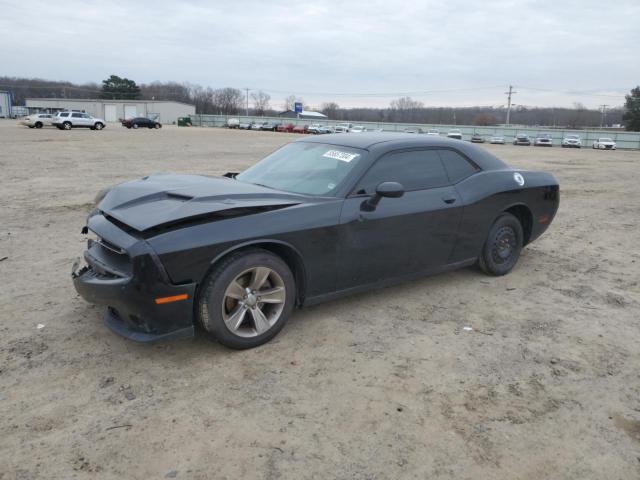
486	195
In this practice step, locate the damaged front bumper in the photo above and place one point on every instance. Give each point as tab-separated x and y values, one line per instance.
124	274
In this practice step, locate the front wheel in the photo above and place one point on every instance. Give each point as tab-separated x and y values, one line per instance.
502	247
66	125
98	126
135	125
38	125
246	300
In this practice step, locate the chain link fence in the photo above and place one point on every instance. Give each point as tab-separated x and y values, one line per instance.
624	140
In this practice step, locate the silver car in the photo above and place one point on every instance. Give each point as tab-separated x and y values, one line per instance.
37	120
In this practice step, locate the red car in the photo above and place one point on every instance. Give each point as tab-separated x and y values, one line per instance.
301	129
286	127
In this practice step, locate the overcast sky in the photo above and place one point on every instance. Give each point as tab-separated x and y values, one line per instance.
439	52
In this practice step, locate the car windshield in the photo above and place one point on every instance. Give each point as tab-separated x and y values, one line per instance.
306	168
573	137
605	140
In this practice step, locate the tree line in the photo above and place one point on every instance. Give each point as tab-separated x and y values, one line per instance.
233	101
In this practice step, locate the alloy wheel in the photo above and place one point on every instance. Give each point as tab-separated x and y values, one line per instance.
253	302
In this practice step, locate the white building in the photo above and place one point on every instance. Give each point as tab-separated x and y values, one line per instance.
5	104
115	110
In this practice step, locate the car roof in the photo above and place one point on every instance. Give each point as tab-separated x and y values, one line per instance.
383	142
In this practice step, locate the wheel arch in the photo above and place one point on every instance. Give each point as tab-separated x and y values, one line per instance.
525	217
287	252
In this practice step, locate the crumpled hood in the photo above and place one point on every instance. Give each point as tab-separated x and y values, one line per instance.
162	200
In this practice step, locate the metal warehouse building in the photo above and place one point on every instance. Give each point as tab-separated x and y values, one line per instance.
114	110
5	104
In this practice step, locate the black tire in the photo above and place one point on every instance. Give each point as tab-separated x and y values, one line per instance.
502	248
212	295
38	125
31	126
157	125
135	125
67	126
98	126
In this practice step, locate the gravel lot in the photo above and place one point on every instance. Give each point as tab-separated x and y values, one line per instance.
383	385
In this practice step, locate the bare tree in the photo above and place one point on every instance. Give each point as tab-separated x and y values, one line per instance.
260	102
228	100
576	119
289	102
484	120
405	109
330	109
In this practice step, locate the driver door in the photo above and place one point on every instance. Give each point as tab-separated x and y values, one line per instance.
401	236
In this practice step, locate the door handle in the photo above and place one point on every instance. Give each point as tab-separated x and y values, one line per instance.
448	199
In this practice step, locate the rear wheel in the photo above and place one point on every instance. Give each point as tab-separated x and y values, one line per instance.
246	300
157	125
135	125
502	247
66	125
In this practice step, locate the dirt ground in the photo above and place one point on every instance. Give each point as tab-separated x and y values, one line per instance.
383	385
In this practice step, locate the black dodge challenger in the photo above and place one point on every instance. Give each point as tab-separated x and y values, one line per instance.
319	218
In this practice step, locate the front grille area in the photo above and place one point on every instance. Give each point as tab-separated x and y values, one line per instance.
107	261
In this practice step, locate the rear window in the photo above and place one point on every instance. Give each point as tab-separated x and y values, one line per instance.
458	167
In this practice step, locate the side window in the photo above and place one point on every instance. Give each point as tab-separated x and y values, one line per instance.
84	115
458	167
76	115
64	114
415	170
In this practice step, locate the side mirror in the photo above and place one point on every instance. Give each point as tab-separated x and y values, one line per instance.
385	189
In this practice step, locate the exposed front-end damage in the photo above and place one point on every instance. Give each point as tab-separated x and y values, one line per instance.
123	273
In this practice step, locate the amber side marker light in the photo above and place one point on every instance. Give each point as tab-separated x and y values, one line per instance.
175	298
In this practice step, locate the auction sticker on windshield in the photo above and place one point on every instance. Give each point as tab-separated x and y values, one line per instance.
338	155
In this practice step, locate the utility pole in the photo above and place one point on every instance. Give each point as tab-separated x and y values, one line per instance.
247	111
509	93
603	116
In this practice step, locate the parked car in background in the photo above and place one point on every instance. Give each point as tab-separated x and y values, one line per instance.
286	127
300	129
358	129
477	138
68	120
496	140
433	131
269	126
543	140
245	125
604	143
413	130
256	126
571	141
455	133
327	129
522	139
232	123
315	128
140	122
37	120
343	128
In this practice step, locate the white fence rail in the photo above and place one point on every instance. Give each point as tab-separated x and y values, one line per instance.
624	140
